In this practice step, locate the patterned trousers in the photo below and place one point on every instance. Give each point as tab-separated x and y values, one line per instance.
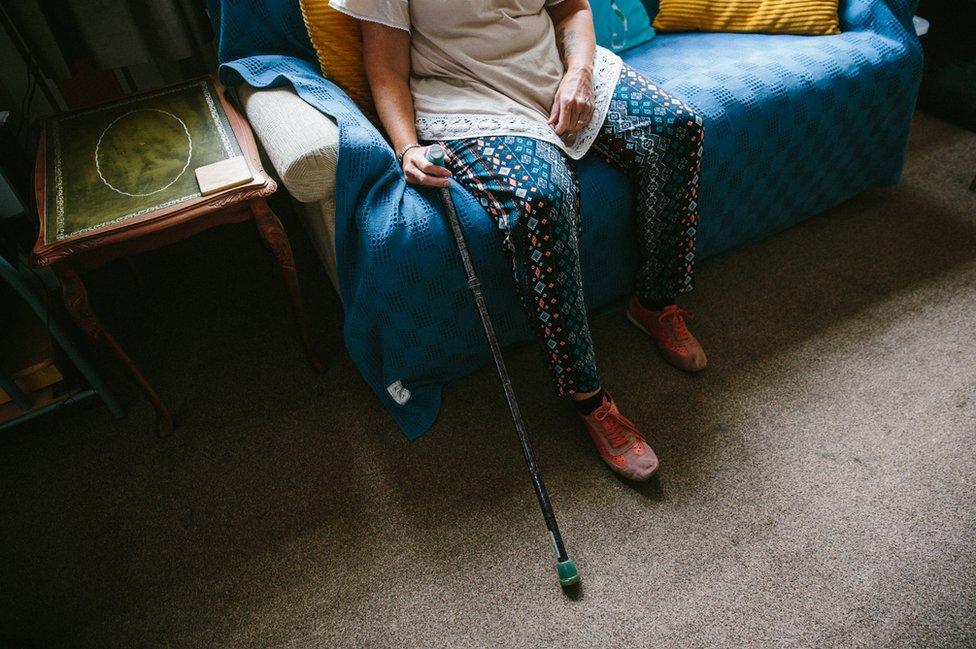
657	140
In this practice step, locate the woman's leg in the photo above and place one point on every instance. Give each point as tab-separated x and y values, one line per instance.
530	190
657	140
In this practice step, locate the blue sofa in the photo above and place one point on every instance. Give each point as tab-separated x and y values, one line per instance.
793	125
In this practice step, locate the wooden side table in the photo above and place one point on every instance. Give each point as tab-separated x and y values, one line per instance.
118	179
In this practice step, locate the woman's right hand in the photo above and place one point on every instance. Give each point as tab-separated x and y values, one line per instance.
419	171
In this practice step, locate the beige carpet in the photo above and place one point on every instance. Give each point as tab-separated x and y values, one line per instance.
817	483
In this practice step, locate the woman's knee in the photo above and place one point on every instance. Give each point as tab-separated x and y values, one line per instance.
546	237
687	123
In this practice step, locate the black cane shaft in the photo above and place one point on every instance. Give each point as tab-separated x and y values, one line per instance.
566	568
473	283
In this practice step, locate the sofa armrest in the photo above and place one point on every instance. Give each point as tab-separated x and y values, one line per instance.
301	142
872	14
904	9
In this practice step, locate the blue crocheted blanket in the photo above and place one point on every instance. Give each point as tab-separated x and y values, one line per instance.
793	126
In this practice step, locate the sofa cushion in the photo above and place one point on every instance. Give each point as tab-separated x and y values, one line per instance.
793	124
812	17
339	46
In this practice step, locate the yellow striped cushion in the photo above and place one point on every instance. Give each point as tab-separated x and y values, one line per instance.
339	46
812	17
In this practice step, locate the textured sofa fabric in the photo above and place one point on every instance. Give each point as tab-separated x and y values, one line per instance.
303	147
319	219
301	142
793	125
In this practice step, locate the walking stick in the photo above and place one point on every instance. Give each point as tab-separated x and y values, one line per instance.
565	567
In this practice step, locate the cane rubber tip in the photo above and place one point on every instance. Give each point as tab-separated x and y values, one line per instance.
568	573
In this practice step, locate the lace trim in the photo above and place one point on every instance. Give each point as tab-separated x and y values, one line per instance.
606	72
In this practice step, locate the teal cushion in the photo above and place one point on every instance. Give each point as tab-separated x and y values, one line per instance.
621	24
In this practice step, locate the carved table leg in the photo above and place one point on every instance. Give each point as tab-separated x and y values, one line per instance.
276	238
76	301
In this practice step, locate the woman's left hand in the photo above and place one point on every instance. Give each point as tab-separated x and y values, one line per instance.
574	102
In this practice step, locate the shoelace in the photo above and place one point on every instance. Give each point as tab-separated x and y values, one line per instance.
675	318
617	432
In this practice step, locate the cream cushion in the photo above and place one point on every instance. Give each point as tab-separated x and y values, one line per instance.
301	142
302	145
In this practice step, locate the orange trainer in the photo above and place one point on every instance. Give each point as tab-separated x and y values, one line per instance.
619	442
670	333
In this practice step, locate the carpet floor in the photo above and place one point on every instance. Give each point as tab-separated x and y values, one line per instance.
816	488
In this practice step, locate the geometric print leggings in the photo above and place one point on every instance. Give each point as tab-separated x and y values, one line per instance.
654	138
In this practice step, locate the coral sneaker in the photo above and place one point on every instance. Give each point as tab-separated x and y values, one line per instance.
670	333
619	442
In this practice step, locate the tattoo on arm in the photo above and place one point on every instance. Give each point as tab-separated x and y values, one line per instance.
567	42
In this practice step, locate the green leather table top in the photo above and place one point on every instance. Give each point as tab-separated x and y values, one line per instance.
118	161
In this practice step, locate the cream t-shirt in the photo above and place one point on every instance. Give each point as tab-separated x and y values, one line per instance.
486	67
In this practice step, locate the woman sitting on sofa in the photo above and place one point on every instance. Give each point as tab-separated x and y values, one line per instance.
514	89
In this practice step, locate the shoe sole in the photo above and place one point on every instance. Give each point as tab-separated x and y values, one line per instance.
620	473
645	478
637	324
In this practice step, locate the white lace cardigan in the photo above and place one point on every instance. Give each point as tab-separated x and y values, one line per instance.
487	67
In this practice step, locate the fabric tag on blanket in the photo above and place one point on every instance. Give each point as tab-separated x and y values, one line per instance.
399	393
